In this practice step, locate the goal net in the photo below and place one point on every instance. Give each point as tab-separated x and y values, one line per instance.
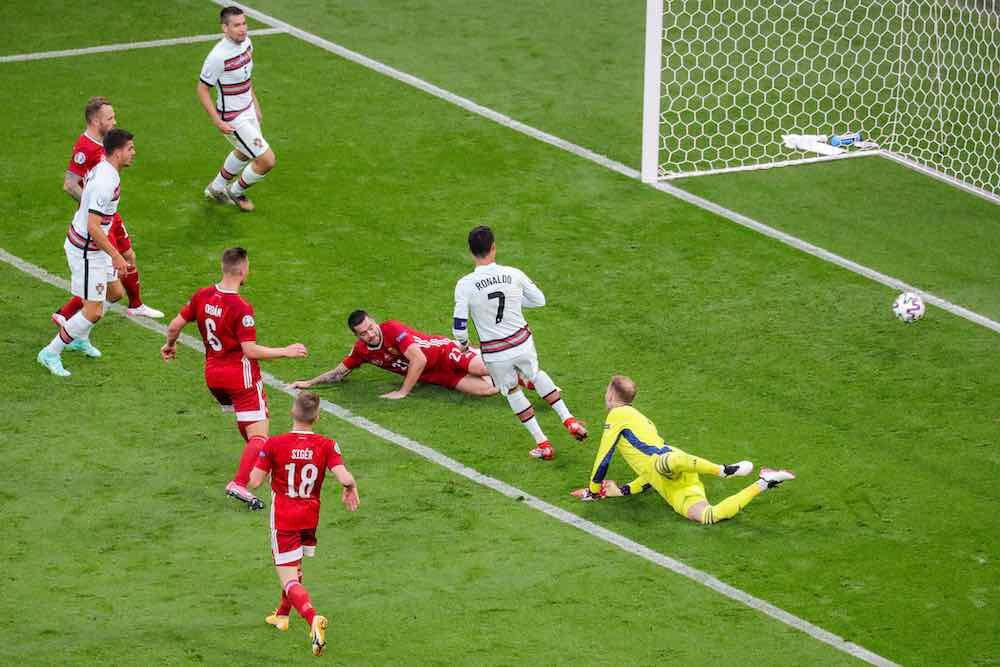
727	80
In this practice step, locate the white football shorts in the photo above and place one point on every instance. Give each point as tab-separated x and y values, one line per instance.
90	274
505	371
246	136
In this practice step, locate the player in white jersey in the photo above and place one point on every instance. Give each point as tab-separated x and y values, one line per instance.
495	295
236	112
94	261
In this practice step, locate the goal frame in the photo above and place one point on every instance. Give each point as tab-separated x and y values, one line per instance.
651	116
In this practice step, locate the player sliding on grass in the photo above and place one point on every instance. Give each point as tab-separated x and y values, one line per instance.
232	369
417	356
495	294
297	462
673	473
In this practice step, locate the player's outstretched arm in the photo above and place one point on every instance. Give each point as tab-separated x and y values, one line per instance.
349	495
418	362
169	349
254	351
335	375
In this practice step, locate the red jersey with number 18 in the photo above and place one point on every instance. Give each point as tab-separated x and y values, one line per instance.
225	321
298	462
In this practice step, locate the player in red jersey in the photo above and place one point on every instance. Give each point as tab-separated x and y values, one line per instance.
417	356
297	462
87	152
232	371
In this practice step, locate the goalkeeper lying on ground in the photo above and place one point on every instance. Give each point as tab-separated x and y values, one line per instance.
673	473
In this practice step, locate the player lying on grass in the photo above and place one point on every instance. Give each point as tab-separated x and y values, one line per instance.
297	462
417	356
232	360
672	472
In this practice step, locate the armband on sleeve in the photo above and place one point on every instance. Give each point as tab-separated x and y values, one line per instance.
460	329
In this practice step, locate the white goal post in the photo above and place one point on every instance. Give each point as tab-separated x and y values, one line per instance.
727	80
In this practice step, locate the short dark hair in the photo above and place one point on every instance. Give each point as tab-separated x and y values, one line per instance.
306	407
481	240
115	139
94	104
356	318
232	258
226	12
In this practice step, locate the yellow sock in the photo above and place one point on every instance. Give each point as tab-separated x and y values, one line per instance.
731	506
676	461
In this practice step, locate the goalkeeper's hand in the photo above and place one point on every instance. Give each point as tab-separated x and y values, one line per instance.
608	488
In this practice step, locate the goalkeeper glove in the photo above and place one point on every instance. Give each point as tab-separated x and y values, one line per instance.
586	495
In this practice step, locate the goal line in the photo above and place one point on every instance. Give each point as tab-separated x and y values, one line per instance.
126	46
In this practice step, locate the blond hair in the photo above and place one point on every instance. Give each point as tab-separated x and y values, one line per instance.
624	388
306	407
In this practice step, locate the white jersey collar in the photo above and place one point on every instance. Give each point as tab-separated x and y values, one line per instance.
485	267
219	288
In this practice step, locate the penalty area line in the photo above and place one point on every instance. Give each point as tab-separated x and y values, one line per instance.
127	46
509	490
613	165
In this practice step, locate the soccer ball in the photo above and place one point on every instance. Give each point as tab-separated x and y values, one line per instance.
909	307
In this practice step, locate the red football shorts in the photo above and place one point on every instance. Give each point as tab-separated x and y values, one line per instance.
455	367
289	546
118	235
250	405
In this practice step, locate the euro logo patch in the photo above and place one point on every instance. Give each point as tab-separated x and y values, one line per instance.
79	158
248	320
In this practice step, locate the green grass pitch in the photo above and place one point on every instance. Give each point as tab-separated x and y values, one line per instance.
119	546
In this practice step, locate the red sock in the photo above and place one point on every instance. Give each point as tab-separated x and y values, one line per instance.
130	281
284	607
71	307
250	453
299	597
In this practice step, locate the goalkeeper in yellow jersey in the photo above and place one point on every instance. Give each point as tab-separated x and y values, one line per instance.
672	472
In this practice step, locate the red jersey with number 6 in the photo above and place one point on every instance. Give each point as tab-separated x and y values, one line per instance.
298	462
225	321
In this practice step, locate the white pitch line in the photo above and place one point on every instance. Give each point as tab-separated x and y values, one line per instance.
127	46
511	491
614	165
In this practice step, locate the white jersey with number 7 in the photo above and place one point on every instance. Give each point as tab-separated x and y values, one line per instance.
494	295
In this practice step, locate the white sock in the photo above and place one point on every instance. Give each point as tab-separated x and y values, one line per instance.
548	390
77	326
519	404
230	168
246	179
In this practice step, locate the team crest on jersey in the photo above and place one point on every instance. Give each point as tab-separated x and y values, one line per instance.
79	157
99	288
248	321
258	142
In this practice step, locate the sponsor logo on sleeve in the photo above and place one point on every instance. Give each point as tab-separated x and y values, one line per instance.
401	336
336	447
248	321
101	201
79	157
